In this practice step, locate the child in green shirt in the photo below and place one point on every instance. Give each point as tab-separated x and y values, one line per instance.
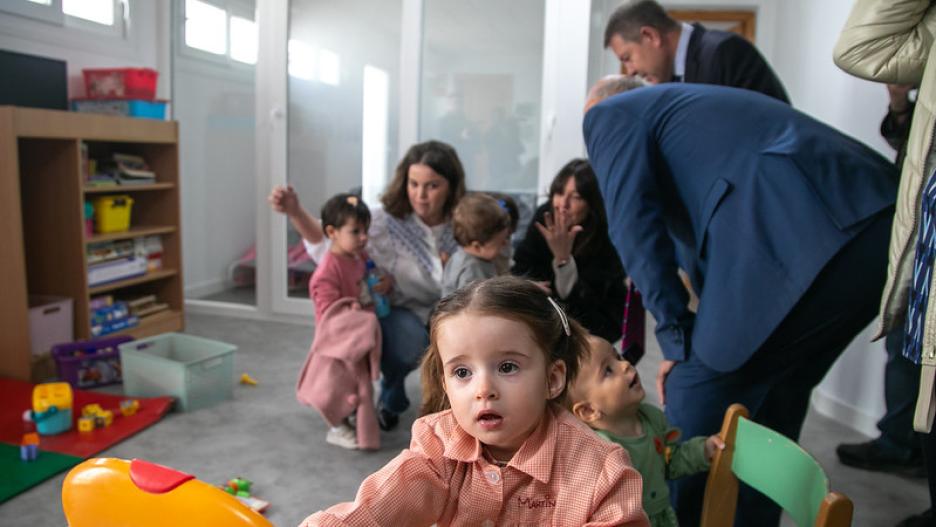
608	397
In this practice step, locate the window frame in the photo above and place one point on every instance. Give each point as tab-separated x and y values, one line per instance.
231	9
54	14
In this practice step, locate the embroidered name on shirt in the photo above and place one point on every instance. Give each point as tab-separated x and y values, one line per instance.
532	503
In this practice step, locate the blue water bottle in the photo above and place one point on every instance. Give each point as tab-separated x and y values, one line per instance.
381	304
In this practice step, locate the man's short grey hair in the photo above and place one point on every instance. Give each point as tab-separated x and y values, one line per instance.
627	20
613	85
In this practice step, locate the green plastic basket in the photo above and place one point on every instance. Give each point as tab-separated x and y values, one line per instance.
198	372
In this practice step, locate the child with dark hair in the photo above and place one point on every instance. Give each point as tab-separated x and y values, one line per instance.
499	449
339	275
504	261
481	227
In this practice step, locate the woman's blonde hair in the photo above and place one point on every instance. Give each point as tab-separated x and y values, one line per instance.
560	337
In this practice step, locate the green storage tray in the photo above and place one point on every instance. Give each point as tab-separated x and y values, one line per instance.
198	372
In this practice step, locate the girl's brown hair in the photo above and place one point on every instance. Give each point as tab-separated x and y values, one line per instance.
438	156
512	298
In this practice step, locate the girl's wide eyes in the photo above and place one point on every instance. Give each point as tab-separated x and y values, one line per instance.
461	373
508	367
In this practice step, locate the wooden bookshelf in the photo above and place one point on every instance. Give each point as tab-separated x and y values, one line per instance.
42	195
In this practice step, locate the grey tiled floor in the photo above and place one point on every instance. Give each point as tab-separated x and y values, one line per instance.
265	435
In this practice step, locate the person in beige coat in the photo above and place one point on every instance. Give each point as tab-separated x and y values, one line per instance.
892	42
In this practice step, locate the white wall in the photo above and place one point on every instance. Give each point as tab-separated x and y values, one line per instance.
853	391
797	37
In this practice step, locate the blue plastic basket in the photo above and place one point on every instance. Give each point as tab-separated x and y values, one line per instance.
125	107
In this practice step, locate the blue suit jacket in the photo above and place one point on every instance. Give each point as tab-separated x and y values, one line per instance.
759	196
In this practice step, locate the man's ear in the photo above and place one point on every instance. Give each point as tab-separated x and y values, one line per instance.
556	378
651	35
585	412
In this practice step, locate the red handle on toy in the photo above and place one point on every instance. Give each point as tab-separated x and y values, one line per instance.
156	479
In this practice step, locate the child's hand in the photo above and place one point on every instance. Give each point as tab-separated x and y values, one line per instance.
712	445
284	200
384	286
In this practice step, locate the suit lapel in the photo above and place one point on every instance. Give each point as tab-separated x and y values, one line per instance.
693	61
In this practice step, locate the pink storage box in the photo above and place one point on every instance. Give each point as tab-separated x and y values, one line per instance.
50	322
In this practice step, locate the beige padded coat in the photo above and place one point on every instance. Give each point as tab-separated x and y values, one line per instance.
892	41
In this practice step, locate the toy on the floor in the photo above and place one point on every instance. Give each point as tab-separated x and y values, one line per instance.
240	488
52	407
109	492
29	446
102	418
248	380
129	407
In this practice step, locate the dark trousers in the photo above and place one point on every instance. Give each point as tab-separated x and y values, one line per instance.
901	383
776	383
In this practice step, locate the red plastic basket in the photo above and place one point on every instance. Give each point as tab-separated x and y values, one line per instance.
120	83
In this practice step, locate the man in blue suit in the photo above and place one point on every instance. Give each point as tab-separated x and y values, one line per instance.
786	222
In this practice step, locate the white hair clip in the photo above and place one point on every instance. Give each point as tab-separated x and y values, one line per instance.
562	317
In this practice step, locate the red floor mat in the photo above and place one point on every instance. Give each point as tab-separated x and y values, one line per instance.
17	397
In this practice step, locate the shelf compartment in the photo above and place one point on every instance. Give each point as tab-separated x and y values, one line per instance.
134	232
148	277
114	189
162	322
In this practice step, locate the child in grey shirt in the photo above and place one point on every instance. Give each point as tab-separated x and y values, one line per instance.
481	227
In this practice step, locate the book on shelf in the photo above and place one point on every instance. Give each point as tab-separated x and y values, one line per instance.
120	169
106	328
116	270
146	305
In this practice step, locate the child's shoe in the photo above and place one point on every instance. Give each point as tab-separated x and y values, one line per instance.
343	436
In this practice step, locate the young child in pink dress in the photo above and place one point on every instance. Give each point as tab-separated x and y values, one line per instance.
341	274
499	449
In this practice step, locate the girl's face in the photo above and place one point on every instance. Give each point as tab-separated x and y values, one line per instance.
349	239
497	379
571	203
427	192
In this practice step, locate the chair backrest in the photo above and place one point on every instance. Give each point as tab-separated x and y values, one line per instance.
777	467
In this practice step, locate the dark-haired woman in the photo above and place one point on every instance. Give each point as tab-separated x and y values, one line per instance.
568	250
409	239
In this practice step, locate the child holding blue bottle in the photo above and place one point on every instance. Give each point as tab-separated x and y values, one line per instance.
344	272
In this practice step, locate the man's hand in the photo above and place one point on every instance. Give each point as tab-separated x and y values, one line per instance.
559	234
665	367
899	97
712	445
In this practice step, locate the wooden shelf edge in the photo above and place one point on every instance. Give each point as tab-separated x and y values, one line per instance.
134	232
162	322
148	277
128	188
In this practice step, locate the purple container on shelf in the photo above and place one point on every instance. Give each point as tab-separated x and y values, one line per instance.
90	363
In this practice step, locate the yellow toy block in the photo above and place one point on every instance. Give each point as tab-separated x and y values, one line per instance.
91	410
129	407
85	424
58	394
30	438
108	417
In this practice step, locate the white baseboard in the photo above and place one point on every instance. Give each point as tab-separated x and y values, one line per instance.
205	288
845	413
227	309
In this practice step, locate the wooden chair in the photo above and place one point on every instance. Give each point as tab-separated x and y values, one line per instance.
777	467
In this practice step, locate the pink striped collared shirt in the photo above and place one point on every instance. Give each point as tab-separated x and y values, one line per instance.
563	475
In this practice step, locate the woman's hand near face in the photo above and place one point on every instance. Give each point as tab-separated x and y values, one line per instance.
559	234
